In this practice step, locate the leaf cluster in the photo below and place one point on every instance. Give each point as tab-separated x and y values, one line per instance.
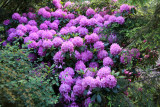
20	84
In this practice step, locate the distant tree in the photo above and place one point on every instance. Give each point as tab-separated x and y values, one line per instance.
8	7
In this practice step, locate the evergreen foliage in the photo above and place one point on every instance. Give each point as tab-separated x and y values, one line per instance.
20	84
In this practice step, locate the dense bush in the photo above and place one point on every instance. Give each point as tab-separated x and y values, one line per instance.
145	34
149	97
20	84
83	52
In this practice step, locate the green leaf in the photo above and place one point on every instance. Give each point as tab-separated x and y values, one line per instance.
90	105
93	97
117	73
121	76
49	71
113	72
94	50
99	99
107	89
118	86
85	92
115	91
52	66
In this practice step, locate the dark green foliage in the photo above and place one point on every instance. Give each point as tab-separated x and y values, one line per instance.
14	65
20	84
135	2
145	92
8	7
146	36
141	93
149	32
99	4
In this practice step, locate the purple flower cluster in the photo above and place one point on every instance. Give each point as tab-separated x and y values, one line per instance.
86	56
47	44
134	53
91	38
103	80
43	11
90	12
57	42
115	49
77	41
103	72
125	7
89	73
58	57
57	3
128	55
67	46
112	38
41	52
16	16
6	22
108	61
99	45
102	54
64	88
80	66
23	20
93	65
77	55
68	3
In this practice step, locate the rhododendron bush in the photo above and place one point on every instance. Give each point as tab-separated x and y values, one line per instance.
85	50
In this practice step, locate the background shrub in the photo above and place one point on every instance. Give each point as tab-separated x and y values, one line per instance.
20	84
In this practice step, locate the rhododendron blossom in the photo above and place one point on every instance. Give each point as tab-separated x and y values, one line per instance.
67	46
115	49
